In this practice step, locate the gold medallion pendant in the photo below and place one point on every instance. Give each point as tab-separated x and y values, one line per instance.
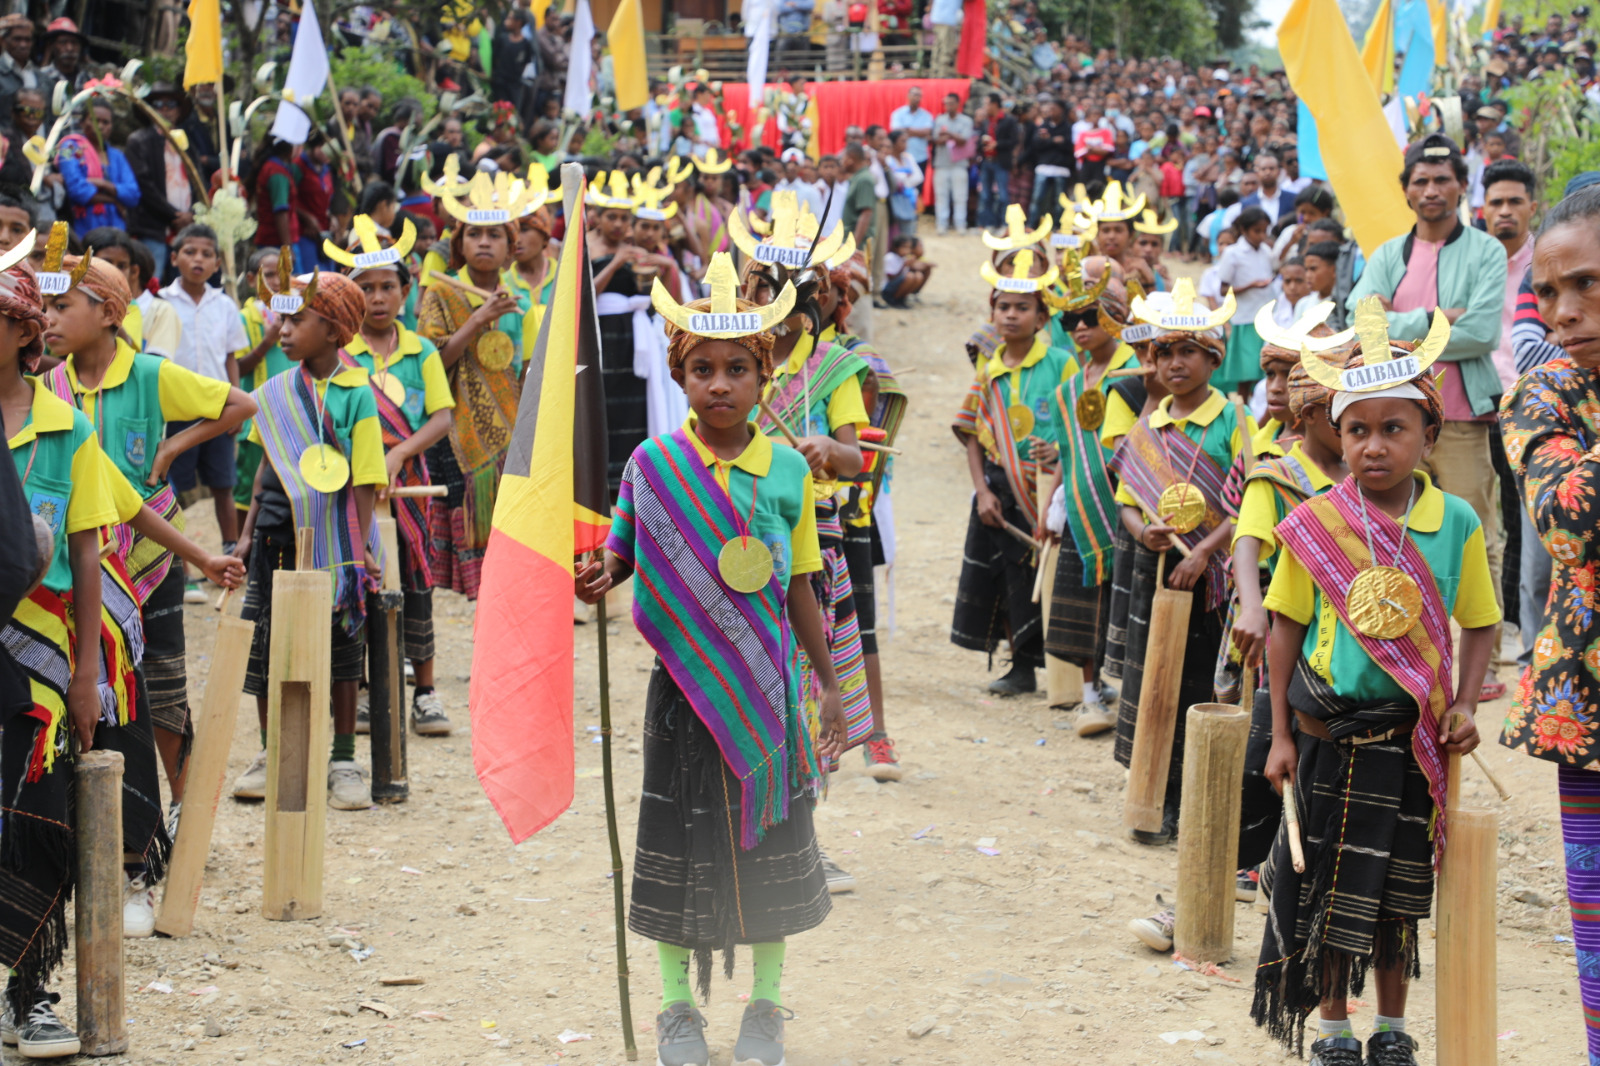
394	388
1183	507
1020	415
745	564
1091	410
324	468
1383	602
495	350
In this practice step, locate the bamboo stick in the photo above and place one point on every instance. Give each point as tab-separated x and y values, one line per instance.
1465	973
611	832
457	283
1150	763
1208	831
97	910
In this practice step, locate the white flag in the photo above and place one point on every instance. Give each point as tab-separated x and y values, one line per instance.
759	30
580	62
308	76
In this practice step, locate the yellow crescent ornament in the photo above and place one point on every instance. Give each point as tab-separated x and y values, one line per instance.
495	350
745	564
1091	409
324	468
1384	602
1183	507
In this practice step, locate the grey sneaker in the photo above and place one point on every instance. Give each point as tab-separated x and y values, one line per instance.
40	1035
838	880
347	786
1335	1051
761	1034
1094	718
174	812
1156	930
364	711
681	1037
252	784
427	715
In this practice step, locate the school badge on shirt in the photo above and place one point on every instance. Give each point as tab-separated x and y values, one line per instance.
134	446
53	509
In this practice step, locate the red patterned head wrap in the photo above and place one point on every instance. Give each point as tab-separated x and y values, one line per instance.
20	302
338	300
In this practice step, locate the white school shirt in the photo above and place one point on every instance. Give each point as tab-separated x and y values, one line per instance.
1241	264
212	330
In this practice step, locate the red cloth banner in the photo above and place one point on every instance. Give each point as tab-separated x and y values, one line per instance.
857	103
974	39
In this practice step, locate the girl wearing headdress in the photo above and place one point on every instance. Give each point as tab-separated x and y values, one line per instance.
415	410
727	853
322	468
1370	575
482	345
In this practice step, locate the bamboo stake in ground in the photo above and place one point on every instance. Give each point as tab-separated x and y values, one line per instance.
208	766
1208	831
1465	979
1063	681
1149	764
611	830
97	909
386	701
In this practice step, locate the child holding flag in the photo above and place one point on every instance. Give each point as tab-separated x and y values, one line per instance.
414	408
323	449
727	853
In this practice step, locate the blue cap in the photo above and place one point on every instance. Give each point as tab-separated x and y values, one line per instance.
1581	181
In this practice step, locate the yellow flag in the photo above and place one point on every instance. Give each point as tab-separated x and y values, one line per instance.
203	51
1377	52
626	35
539	7
1358	147
1491	19
1439	17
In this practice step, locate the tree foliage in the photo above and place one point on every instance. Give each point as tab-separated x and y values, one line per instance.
1184	29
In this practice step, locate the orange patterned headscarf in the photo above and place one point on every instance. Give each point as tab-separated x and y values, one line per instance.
338	300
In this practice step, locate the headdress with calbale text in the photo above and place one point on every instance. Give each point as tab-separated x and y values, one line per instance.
1384	368
1017	235
370	252
52	279
1021	278
723	317
286	301
1150	222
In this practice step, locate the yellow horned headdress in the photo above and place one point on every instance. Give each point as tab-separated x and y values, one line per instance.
19	251
792	238
609	192
286	301
1077	295
648	198
451	183
536	186
499	201
1111	207
1151	223
1298	336
710	164
1017	235
1019	281
679	170
1077	230
53	281
1382	367
372	253
724	321
1180	314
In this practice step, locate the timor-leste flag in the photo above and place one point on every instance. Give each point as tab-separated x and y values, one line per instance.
553	504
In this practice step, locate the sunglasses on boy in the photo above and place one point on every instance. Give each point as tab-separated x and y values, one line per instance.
1071	320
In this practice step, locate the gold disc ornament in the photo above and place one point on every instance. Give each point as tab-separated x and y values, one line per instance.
324	468
495	350
393	388
745	564
1183	507
1091	410
1020	415
1384	602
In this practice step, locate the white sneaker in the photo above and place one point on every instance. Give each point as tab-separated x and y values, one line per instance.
252	784
427	715
40	1035
138	908
347	786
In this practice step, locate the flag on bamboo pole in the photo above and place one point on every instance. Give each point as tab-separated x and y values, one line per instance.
1360	154
553	503
202	52
1413	31
307	78
1490	21
1439	16
626	35
1377	52
579	92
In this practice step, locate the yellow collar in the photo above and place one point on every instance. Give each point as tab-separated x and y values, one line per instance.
997	368
1265	442
350	377
1204	415
121	366
1319	480
755	460
409	344
49	414
1121	357
797	358
1427	516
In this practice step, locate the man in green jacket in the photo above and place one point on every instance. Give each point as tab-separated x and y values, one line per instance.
1444	263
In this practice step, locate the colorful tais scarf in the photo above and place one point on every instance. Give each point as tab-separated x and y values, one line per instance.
824	370
288	426
1141	462
40	638
1091	501
731	654
988	419
1328	537
410	512
886	416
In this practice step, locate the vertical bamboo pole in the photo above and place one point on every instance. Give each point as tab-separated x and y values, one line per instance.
611	831
1465	966
386	670
1063	681
1208	831
1150	762
299	664
97	910
219	710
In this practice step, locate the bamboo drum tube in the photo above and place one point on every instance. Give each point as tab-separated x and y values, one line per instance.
1149	763
208	766
97	908
1465	964
386	670
299	660
1063	681
1208	831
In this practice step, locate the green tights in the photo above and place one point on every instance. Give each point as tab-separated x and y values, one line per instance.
677	988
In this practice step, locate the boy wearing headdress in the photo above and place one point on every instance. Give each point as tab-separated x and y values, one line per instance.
1371	574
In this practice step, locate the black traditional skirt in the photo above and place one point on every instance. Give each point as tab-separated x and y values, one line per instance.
627	413
693	886
1121	601
994	596
1078	613
1199	660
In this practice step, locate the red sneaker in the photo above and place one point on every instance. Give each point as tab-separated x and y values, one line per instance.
881	763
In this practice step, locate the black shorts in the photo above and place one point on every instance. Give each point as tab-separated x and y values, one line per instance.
209	463
863	552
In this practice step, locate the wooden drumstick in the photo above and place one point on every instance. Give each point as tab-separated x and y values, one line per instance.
1291	821
788	434
456	283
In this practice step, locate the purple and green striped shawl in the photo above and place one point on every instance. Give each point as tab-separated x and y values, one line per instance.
730	653
287	425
